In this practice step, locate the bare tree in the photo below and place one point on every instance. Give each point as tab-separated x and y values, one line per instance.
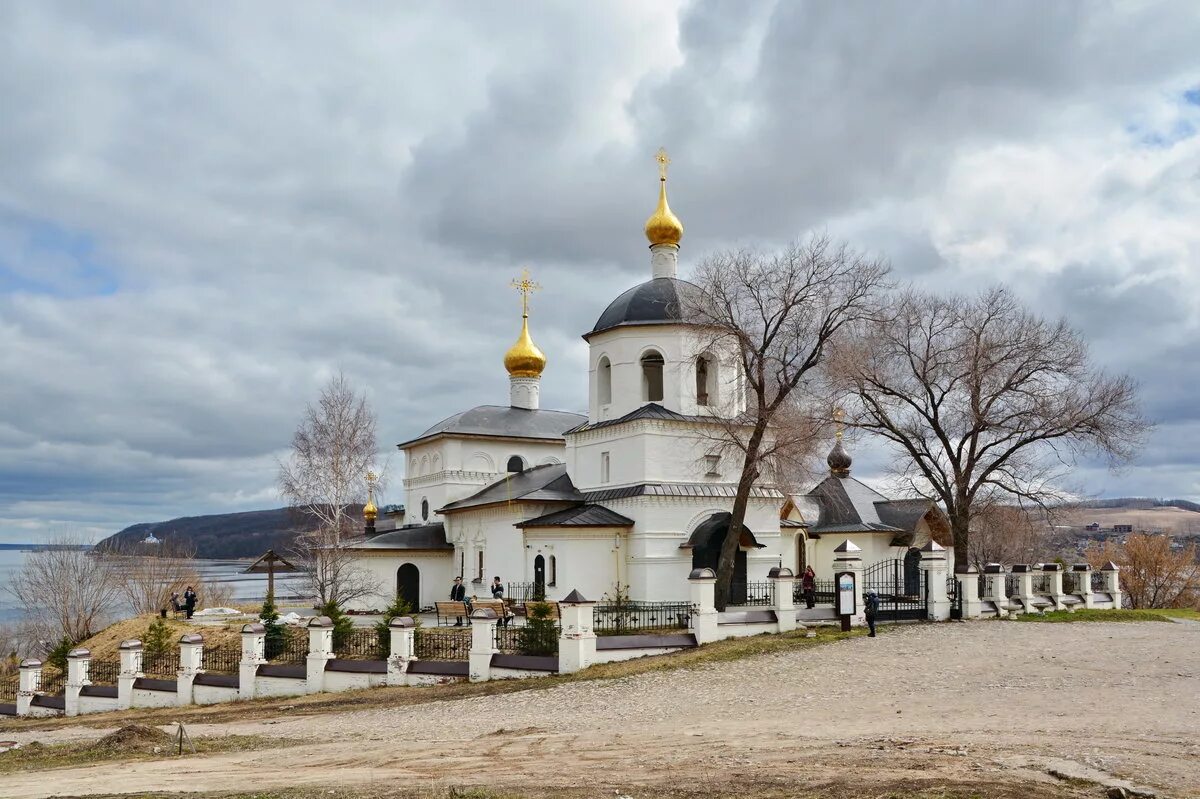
777	313
1003	533
332	451
65	591
148	573
1154	574
984	399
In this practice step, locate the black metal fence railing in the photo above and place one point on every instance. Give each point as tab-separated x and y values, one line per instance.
361	644
823	592
1071	583
520	593
221	660
1098	583
627	618
442	643
51	682
8	689
981	586
292	649
532	639
752	594
1011	583
104	672
1042	583
900	587
161	664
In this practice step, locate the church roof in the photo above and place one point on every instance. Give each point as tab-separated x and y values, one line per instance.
425	536
548	483
677	490
847	505
718	525
651	410
655	302
580	516
503	421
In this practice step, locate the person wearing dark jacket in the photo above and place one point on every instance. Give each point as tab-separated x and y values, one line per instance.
872	610
458	593
808	583
189	601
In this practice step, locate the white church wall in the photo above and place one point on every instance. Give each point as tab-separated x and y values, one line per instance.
465	465
586	560
380	566
679	347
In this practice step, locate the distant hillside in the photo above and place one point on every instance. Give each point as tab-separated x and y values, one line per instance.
1139	503
224	535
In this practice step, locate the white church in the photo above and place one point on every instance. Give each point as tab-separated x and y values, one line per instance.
631	495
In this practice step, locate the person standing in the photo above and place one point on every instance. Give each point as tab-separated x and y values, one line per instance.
497	588
872	610
458	593
189	601
808	583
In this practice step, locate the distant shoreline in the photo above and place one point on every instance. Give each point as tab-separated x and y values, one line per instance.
41	547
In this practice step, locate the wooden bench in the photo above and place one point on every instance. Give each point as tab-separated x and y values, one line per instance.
450	610
497	606
524	609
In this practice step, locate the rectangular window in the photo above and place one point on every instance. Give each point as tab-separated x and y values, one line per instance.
604	472
713	465
479	566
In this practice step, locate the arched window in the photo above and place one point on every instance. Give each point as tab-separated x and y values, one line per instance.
604	381
553	571
515	464
424	509
702	380
652	377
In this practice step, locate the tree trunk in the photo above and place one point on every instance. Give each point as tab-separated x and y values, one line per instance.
960	527
737	518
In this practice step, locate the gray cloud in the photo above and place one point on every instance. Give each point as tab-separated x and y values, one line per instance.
204	215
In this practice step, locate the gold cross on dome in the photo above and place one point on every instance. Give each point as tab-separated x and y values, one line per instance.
526	286
663	162
838	415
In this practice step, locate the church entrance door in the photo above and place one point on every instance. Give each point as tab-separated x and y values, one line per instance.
706	551
539	576
408	585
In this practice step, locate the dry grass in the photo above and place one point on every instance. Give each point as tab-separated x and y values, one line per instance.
731	649
104	644
130	743
1102	614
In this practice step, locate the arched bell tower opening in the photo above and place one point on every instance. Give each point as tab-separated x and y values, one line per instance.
408	585
652	376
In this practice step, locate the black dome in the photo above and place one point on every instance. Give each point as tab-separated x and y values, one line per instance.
654	302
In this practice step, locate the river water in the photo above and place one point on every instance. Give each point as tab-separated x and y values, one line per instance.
246	587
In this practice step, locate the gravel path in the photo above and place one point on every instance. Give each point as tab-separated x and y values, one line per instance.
983	700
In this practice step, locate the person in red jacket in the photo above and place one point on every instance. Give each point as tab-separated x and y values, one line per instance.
808	584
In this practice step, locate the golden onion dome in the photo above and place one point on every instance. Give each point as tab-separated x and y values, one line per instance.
663	227
524	359
370	511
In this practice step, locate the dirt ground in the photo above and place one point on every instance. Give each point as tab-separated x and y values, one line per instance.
984	703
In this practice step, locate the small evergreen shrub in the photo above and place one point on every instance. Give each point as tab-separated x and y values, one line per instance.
276	635
399	608
342	624
539	636
157	640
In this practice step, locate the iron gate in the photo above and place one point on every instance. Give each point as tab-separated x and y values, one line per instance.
902	591
954	591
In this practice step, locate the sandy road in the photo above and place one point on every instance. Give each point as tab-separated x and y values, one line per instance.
950	702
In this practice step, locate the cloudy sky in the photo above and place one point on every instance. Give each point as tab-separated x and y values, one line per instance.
206	209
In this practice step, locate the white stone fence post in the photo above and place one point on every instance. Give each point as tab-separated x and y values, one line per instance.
1112	582
79	664
783	597
1081	574
702	589
1024	591
191	663
403	632
968	593
1054	579
28	684
320	652
933	563
994	589
577	641
254	646
483	644
130	653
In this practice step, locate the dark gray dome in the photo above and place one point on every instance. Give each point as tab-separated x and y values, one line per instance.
655	302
